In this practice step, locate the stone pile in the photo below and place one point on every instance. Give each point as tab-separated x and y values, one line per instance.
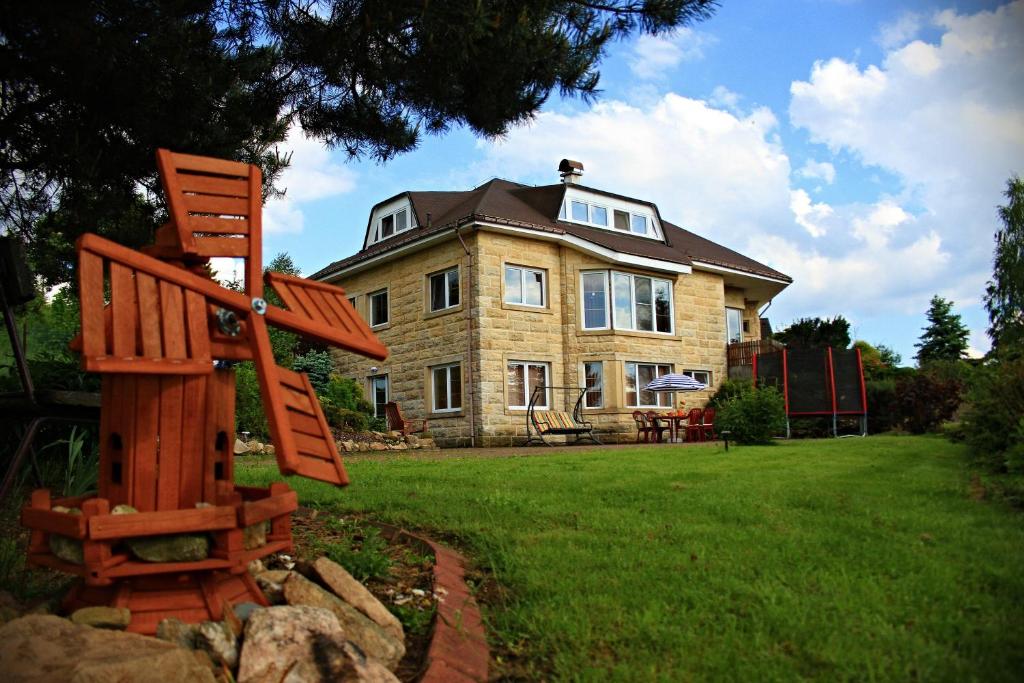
323	625
385	441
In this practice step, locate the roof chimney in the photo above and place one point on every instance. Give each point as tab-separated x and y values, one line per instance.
571	171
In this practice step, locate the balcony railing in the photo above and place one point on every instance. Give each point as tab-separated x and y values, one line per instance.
740	356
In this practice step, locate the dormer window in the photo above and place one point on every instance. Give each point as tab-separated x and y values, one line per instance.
391	220
610	213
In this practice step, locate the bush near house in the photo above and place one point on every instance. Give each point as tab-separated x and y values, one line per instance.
753	417
993	420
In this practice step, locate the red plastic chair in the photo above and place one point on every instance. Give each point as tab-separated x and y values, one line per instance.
658	429
708	425
642	428
694	428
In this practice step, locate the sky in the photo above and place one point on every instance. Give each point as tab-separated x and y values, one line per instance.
861	147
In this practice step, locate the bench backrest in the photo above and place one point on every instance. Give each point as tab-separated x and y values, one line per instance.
554	419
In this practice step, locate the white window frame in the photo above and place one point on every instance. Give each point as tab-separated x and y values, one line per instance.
607	300
369	314
610	303
378	229
693	375
670	395
526	365
600	384
523	270
739	328
447	367
373	392
566	215
447	292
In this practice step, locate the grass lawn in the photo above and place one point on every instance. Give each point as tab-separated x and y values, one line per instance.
834	559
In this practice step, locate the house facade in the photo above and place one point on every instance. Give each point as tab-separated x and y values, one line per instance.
483	295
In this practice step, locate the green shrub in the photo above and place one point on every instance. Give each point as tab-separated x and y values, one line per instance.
883	408
753	417
342	418
344	405
249	415
369	560
993	420
318	365
728	389
925	400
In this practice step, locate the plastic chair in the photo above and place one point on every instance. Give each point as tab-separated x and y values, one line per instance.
694	428
708	424
642	428
656	428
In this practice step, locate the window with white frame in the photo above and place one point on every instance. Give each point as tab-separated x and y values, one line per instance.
590	213
638	302
524	286
702	376
379	392
392	223
638	376
734	325
446	387
444	289
593	375
523	378
379	309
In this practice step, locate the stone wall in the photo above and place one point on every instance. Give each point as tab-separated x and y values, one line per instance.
550	334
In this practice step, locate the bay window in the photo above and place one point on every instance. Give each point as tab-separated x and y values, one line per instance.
638	302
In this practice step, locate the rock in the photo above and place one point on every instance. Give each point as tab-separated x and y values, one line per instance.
176	631
395	434
41	649
360	629
255	446
256	567
268	449
346	587
240	447
348	445
64	547
244	610
8	613
123	509
255	535
427	442
378	446
412	440
399	446
298	643
171	548
116	618
272	584
219	641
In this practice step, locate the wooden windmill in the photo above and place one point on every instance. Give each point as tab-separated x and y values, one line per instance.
163	334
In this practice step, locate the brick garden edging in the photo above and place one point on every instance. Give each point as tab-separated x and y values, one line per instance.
458	650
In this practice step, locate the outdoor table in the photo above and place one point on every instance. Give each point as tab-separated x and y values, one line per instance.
673	424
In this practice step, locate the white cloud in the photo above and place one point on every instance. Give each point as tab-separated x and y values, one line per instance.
725	98
818	170
312	176
900	31
652	57
808	214
877	227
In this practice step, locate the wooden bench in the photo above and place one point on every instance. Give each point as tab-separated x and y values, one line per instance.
559	423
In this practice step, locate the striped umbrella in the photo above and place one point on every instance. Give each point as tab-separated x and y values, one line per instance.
674	381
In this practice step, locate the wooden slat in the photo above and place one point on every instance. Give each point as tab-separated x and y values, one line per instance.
198	327
166	164
252	513
147	366
90	288
313	445
108	527
290	378
270	392
192	414
220	417
337	303
169	458
228	247
172	317
254	260
125	310
299	422
222	206
123	423
54	522
219	225
191	162
310	306
147	423
148	568
149	315
296	401
215	185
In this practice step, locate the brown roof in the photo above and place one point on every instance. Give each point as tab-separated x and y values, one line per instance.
537	208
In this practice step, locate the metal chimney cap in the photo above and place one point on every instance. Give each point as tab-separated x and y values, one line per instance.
570	166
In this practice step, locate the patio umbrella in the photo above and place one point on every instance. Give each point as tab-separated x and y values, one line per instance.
674	381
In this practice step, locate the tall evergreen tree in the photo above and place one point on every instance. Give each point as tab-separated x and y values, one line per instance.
945	337
1004	296
91	88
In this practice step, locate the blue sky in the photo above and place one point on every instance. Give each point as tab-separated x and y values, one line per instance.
860	147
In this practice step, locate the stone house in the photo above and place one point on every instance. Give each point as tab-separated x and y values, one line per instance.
483	295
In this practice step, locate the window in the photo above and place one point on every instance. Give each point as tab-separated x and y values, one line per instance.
446	381
638	224
599	215
524	286
379	392
594	214
352	301
639	375
523	378
733	316
392	223
622	220
640	303
581	212
595	300
702	376
379	308
444	290
593	374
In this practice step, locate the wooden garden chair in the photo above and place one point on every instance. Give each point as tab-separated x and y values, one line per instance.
397	421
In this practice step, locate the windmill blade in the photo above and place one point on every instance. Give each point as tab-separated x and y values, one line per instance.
150	326
303	443
323	312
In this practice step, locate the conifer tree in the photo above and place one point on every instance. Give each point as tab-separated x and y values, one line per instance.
945	337
1004	296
